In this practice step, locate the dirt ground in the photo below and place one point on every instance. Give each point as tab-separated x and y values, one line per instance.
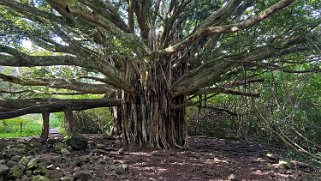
207	159
215	159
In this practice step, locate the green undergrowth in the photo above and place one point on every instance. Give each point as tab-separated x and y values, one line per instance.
27	126
19	127
310	162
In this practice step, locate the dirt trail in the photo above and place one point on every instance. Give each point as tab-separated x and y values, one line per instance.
207	159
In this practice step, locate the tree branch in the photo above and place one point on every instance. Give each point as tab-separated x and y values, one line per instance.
59	83
108	11
211	71
224	28
60	105
225	91
242	82
41	92
31	61
27	10
220	15
20	59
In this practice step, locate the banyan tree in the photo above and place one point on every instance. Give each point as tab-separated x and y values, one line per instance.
148	57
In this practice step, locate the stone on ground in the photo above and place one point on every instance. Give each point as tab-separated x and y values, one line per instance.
15	172
78	142
32	164
39	178
3	169
24	161
59	146
83	175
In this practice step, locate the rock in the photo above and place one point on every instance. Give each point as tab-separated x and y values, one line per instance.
78	142
290	172
57	159
32	164
28	173
41	170
67	179
109	161
77	169
272	158
59	146
24	161
2	144
102	160
232	177
51	167
122	168
3	169
22	146
15	172
16	158
284	164
69	148
55	175
65	151
3	161
25	178
83	175
52	141
11	163
46	158
10	152
39	178
282	170
121	151
99	146
36	144
78	161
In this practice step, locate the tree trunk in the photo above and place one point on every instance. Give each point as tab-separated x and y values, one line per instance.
45	126
69	119
148	119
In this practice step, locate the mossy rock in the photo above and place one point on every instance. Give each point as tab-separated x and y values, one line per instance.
24	161
15	172
41	170
59	146
65	151
78	142
32	164
10	152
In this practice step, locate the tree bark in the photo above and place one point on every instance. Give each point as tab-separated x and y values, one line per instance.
149	121
45	126
69	118
148	118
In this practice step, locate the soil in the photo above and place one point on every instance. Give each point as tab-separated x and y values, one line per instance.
206	159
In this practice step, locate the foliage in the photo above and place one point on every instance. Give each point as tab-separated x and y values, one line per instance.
11	127
94	121
31	126
287	114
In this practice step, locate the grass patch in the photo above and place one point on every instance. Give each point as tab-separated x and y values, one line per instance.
29	125
19	127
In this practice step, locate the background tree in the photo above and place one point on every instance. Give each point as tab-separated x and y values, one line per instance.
152	55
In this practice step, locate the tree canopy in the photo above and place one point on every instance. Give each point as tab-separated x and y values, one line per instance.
150	55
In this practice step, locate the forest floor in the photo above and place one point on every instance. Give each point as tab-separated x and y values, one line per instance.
105	159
